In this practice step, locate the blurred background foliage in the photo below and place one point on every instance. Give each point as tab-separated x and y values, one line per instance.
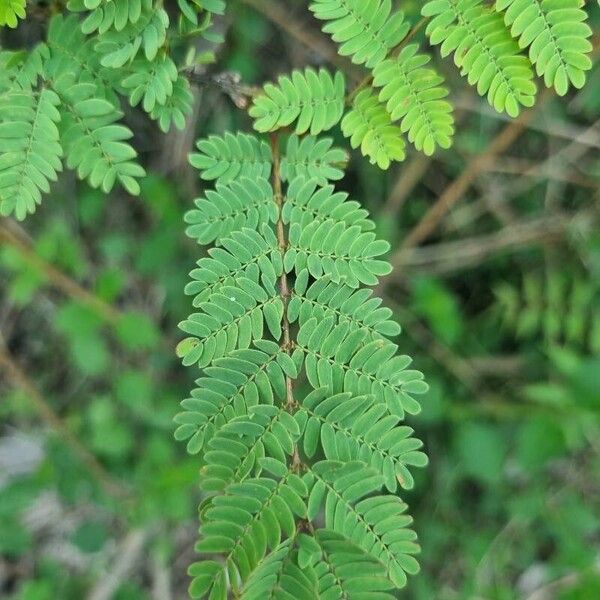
500	308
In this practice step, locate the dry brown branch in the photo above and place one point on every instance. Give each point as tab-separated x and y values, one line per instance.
456	190
553	127
281	17
128	553
449	256
409	177
59	279
45	410
523	168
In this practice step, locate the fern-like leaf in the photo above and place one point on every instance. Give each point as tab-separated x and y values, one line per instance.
246	520
190	9
357	428
279	305
228	391
150	82
229	208
342	253
345	304
225	158
343	359
30	149
278	577
369	126
72	56
94	143
21	71
484	50
109	14
315	100
148	33
234	318
176	108
415	95
556	34
313	158
343	568
365	30
11	11
259	260
562	308
376	524
237	451
307	203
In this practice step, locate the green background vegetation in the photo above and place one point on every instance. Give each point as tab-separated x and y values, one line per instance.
499	306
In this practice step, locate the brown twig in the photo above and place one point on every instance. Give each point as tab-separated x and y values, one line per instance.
457	366
128	554
281	18
283	282
455	191
284	289
552	168
409	177
63	282
12	234
554	127
448	256
512	166
20	380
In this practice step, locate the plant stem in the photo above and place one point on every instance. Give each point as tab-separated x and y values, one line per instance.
284	289
314	42
14	372
283	282
63	282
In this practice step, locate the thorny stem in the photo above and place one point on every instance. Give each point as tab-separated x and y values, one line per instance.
284	289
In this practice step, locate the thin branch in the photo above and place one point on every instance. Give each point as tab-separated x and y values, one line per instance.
553	127
456	190
449	256
128	553
555	163
409	177
283	282
284	289
553	168
45	410
161	579
549	590
457	366
282	18
541	170
68	286
63	282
